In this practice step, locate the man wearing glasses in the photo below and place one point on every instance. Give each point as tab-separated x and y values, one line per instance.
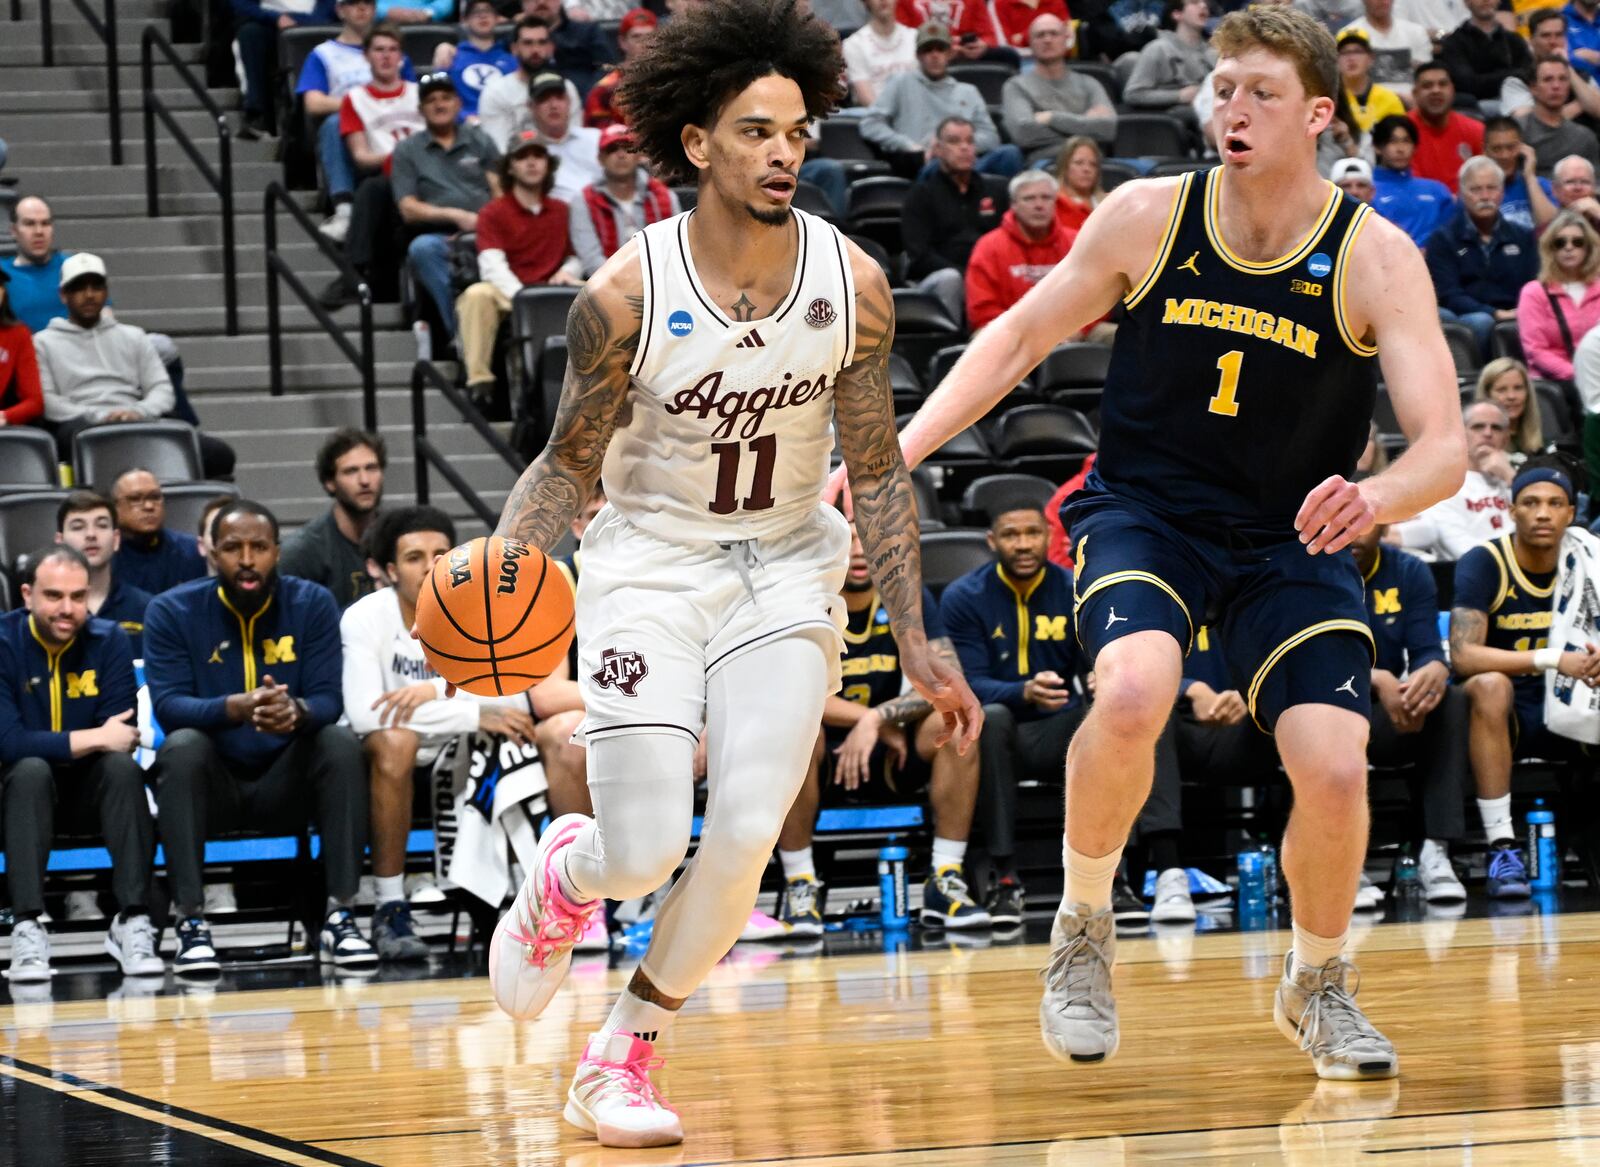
152	556
1481	509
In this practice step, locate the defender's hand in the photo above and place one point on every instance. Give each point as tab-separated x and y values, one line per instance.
947	690
1333	514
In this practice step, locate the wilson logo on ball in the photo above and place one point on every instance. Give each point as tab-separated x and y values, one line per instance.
511	552
621	671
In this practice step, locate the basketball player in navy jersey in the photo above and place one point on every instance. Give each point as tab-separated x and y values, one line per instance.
1261	305
709	361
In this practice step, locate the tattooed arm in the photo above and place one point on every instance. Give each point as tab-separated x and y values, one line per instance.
910	708
885	504
1469	655
602	336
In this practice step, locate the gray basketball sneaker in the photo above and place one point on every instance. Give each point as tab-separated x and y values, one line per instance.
1314	1010
1078	1016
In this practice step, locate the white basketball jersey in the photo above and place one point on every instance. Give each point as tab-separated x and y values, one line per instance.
728	426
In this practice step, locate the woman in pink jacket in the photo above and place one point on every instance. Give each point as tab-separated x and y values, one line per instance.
1557	309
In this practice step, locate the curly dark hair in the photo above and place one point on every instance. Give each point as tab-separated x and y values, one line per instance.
705	56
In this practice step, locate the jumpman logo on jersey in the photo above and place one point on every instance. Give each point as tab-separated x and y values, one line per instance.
1114	618
1189	265
1348	687
752	340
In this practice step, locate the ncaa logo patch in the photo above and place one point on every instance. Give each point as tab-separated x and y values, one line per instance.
820	314
1319	265
680	323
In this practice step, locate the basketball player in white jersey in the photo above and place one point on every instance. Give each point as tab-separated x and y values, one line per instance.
708	362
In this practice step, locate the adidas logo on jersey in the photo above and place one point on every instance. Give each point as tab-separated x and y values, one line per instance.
752	340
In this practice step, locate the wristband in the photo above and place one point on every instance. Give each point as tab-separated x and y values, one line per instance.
1546	659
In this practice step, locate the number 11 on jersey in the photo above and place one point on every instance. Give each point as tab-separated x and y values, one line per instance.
760	498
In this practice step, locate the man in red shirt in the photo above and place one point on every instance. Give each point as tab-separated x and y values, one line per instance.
971	30
522	240
1009	260
1445	139
635	31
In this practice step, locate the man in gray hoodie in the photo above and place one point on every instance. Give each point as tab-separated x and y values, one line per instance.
1171	68
1044	108
97	371
905	119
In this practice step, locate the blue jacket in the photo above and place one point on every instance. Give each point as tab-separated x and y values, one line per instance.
44	696
199	651
34	290
1472	276
124	606
1403	612
1582	34
254	12
158	562
1005	635
1416	205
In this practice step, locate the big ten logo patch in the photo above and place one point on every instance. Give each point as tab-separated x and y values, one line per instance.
510	553
1305	287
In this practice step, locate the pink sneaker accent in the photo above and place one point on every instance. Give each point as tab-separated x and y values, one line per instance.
761	926
613	1098
595	937
561	922
531	950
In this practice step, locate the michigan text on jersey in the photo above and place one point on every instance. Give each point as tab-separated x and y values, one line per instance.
1238	318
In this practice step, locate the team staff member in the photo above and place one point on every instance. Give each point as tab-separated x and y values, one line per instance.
86	522
67	734
244	674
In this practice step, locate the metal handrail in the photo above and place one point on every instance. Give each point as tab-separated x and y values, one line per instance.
425	374
279	269
220	180
106	30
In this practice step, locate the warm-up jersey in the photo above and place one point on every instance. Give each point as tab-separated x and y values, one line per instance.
871	665
1236	387
727	428
1519	605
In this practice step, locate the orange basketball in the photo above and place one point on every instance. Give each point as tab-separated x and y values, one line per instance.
495	617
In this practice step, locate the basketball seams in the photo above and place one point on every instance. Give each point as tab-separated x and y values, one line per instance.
544	570
433	580
510	656
488	614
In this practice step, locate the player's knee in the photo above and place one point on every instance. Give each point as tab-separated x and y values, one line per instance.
1338	779
1489	693
1131	707
743	837
393	753
645	861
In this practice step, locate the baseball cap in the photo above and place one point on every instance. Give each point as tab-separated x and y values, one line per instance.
438	82
933	33
1350	168
81	264
546	83
1354	36
636	18
615	134
525	140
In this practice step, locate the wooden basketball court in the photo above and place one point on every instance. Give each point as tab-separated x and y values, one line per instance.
875	1060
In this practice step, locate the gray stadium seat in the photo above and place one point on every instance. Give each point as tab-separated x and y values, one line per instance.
997	489
186	502
27	459
27	523
949	554
168	449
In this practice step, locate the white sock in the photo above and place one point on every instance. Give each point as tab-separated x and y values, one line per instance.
1496	813
642	1019
797	863
390	888
1313	951
1089	879
948	852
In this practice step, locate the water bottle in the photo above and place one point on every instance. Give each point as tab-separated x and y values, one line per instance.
424	339
1544	857
894	905
1252	882
1269	874
1407	878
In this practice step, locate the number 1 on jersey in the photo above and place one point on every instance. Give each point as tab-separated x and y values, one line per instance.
1223	400
765	449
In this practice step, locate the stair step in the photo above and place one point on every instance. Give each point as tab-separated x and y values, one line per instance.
299	348
199	228
67	77
26	52
94	150
305	258
151	10
30	128
299	447
68	27
175	175
210	321
295	377
185	292
485	473
68	101
320	410
296	512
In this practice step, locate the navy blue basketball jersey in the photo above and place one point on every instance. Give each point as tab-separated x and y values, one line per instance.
1236	387
871	666
1519	605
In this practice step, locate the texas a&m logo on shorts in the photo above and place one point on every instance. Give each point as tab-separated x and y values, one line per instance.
622	671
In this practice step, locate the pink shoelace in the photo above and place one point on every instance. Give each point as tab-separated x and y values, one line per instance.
560	925
632	1077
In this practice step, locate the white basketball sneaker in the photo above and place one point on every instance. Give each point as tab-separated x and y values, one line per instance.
613	1098
532	945
1316	1010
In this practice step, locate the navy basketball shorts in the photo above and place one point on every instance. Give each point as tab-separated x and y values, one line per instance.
1291	626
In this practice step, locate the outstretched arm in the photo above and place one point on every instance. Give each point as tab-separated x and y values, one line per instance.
886	505
602	336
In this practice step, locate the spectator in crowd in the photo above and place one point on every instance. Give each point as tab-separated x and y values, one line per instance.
1546	128
523	239
440	180
21	397
86	522
96	371
575	150
1479	510
1438	18
256	25
1417	205
1332	14
840	14
150	555
373	119
1573	183
879	735
1583	37
1547	36
1368	101
877	51
1170	69
1011	624
478	59
1343	138
397	706
1482	54
1078	175
1050	104
581	48
1444	138
1417	715
972	33
945	214
637	26
1529	201
1557	309
1008	261
614	211
1478	260
1504	381
203	532
1013	21
1499	627
503	104
904	122
1354	177
1109	30
1398	46
67	736
245	679
327	550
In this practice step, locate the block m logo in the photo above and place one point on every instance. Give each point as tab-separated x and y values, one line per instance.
82	685
1385	601
280	651
1050	627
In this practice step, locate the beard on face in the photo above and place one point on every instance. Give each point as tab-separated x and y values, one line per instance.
251	601
776	217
